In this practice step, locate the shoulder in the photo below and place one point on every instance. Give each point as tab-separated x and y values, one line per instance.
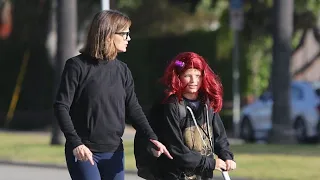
216	115
80	60
121	64
73	63
175	110
171	103
123	67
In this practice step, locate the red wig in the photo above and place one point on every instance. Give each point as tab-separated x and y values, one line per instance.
211	89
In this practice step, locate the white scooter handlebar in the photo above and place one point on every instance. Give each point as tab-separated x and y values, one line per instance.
225	174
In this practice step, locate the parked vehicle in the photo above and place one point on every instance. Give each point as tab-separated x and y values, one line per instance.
256	118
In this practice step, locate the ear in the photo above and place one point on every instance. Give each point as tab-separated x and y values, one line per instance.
109	38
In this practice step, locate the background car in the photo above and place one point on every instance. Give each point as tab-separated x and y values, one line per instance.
256	118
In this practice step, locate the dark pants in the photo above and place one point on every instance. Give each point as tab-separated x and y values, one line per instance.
108	166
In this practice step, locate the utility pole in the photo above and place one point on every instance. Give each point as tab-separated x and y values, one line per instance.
105	4
236	23
67	43
282	130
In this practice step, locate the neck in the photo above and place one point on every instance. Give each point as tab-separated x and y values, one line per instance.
191	96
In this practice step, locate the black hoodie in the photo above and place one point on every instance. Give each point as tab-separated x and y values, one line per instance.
184	146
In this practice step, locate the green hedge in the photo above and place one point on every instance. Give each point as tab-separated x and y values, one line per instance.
36	89
146	57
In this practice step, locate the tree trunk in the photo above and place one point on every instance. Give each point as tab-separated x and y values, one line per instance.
282	129
67	43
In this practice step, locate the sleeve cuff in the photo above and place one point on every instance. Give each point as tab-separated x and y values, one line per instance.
206	169
75	143
226	156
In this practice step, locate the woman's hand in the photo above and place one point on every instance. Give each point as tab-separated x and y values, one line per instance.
220	165
231	165
161	149
82	153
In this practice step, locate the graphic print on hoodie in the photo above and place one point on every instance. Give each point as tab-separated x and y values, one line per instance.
196	135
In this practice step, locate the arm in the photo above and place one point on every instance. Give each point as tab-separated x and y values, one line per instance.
64	98
221	143
134	110
173	139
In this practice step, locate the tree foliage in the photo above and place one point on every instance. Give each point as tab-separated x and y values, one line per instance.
168	17
163	17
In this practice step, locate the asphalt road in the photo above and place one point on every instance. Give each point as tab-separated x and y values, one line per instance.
17	172
13	172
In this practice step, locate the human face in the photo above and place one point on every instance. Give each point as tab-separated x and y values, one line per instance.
121	40
191	79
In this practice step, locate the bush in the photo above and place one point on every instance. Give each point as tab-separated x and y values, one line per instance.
147	58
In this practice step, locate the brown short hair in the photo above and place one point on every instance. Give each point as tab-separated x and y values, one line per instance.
99	40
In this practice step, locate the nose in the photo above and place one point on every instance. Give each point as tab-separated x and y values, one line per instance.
128	38
192	79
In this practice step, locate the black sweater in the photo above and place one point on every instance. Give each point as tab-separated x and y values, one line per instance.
93	100
171	132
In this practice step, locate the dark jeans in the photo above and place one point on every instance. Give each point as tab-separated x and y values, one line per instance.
108	166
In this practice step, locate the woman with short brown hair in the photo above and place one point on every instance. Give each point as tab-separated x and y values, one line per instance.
95	96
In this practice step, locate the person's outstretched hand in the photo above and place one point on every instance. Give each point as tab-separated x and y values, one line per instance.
161	149
82	153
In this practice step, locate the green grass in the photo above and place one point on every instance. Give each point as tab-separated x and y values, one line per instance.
274	162
35	148
279	162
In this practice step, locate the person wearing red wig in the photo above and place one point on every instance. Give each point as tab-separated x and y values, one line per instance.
192	140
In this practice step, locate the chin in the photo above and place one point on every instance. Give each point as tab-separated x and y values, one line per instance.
122	50
192	91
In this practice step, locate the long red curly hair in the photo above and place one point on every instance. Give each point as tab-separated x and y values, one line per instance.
211	88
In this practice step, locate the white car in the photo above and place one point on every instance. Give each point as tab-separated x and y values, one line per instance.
256	118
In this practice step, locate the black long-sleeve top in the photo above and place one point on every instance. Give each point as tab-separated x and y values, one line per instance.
172	135
92	102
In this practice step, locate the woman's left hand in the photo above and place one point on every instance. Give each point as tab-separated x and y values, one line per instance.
231	165
161	149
